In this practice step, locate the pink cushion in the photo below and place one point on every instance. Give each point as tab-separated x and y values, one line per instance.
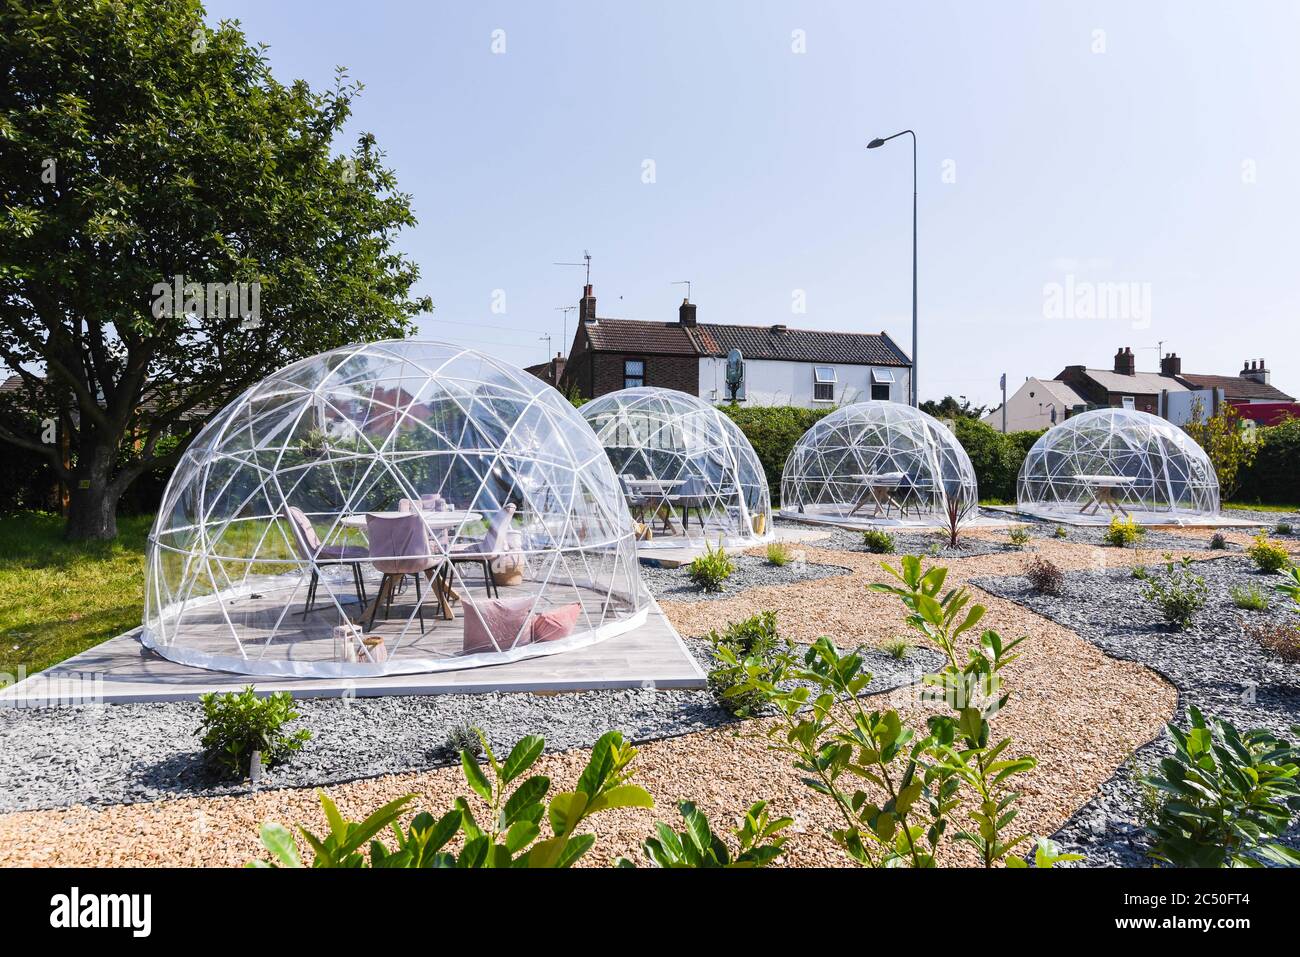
499	617
557	623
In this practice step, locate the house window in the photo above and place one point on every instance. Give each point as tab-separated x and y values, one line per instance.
633	373
824	383
881	380
1127	401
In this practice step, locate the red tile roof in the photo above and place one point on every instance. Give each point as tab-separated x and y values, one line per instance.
800	345
635	335
1237	387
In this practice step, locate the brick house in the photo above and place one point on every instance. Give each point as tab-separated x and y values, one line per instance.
783	366
1039	404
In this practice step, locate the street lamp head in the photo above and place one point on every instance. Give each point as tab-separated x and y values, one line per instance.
877	142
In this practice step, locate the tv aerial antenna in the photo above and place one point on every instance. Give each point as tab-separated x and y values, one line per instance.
687	284
566	310
586	264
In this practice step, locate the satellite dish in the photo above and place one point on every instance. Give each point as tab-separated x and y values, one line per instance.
735	372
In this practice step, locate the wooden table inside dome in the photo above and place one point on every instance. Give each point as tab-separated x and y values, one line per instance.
1101	491
877	490
660	493
434	521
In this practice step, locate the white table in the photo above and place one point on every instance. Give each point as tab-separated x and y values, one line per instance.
1101	491
876	489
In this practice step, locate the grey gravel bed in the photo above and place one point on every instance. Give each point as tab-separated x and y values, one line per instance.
674	584
1214	665
123	754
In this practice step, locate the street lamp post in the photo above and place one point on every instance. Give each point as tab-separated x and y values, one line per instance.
874	144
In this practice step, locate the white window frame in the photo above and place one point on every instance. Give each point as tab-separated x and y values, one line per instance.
824	376
882	376
1128	402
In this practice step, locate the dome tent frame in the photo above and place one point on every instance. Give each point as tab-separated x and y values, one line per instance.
875	457
689	474
358	430
1133	463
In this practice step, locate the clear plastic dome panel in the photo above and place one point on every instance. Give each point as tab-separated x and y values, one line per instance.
277	547
687	472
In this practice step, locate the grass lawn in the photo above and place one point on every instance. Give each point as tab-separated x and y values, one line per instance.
59	598
1260	508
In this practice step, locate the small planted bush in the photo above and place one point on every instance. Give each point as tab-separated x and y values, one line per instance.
1140	572
1044	576
1249	597
897	648
1269	556
1178	592
778	554
465	737
1226	796
1060	532
1282	528
877	541
744	649
1281	638
711	570
1218	542
1123	533
1019	535
237	723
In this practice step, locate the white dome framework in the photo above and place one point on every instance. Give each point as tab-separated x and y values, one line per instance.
879	463
1109	462
689	474
393	507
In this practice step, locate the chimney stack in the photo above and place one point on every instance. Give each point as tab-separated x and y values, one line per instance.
686	313
1125	362
587	305
1256	372
1171	365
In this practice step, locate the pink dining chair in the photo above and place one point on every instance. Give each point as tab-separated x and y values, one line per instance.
488	548
310	549
399	546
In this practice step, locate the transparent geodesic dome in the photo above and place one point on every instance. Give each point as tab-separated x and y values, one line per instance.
879	462
289	518
1109	462
689	474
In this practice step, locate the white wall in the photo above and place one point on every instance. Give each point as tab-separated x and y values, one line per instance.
1029	408
775	382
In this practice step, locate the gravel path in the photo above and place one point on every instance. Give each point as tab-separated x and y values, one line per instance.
751	572
120	754
1214	665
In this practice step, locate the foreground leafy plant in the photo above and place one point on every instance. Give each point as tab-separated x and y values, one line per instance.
919	783
878	541
237	723
711	570
1019	535
512	835
1291	588
1226	795
697	846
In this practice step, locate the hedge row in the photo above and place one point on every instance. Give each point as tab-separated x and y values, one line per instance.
1274	477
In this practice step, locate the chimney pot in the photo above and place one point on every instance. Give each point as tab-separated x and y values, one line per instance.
587	305
686	313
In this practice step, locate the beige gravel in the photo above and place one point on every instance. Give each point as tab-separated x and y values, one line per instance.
1080	712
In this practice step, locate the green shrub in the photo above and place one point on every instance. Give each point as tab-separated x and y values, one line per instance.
697	846
1218	542
1060	532
1123	534
1019	535
1179	593
743	649
1268	556
1250	598
778	554
1271	477
1282	528
773	431
711	570
237	723
897	648
880	542
1140	572
996	457
1292	587
1225	795
465	737
511	836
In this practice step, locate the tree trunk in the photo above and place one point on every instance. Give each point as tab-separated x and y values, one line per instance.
92	508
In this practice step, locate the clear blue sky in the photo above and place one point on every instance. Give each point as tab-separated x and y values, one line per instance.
1169	159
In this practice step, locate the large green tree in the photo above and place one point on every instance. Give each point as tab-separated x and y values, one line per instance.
138	144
